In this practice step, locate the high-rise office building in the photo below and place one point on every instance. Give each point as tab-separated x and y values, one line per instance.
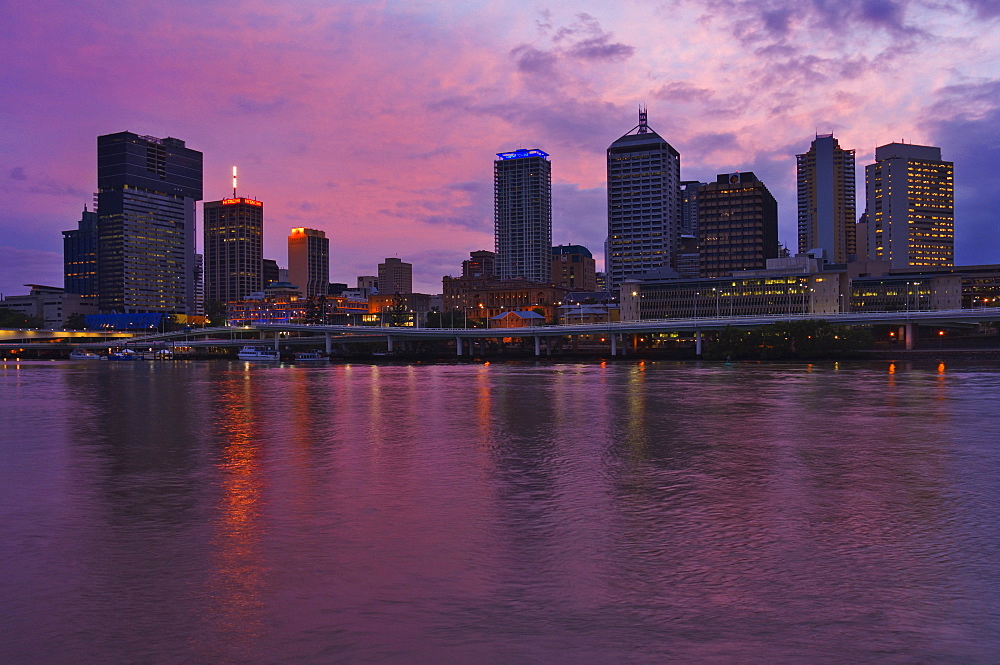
910	196
689	207
739	225
271	273
395	276
309	261
234	249
80	257
644	203
147	189
827	207
522	215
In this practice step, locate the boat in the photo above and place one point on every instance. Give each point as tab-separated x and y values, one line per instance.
124	354
258	353
83	354
310	357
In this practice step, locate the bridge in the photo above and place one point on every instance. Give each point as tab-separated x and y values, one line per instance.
616	332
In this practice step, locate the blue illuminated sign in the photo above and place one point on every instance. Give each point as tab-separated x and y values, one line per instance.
522	153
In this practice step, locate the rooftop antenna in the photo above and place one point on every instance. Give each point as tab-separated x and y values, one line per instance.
234	182
643	124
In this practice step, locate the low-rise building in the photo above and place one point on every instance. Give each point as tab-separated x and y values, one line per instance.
51	304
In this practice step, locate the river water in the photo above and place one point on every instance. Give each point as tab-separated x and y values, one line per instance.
219	512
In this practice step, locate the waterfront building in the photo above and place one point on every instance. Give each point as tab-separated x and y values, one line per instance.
406	309
910	197
51	304
522	215
786	286
395	276
309	261
480	298
644	203
234	248
280	302
481	263
574	268
80	257
738	221
147	190
826	198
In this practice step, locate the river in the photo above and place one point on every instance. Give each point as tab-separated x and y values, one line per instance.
628	512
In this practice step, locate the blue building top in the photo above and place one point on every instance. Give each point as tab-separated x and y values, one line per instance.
522	153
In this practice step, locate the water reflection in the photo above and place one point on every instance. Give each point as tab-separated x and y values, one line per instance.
629	512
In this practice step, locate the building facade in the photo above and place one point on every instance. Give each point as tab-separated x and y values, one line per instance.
910	197
522	215
50	304
644	203
826	197
80	257
309	261
481	263
234	248
395	276
574	268
147	190
739	225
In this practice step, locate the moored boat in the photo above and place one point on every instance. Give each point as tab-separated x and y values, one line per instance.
258	353
83	354
124	354
310	357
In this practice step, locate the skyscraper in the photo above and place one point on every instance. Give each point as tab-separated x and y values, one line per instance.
827	207
739	225
147	189
309	261
644	205
910	195
234	249
80	257
522	215
395	276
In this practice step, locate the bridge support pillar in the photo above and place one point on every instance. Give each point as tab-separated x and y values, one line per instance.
697	343
276	347
388	343
538	345
614	344
329	348
911	335
458	346
548	346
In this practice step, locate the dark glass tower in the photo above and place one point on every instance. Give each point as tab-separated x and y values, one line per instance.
147	189
644	204
522	215
80	256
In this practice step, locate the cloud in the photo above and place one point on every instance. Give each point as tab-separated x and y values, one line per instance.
969	139
17	173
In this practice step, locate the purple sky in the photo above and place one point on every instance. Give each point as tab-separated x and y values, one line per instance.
378	121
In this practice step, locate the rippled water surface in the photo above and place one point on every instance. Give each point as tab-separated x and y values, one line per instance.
220	512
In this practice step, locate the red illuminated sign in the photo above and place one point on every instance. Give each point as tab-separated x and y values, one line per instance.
229	202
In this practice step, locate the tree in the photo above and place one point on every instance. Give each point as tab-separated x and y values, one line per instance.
76	321
10	318
215	312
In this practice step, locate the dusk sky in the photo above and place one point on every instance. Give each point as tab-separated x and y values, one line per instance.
378	121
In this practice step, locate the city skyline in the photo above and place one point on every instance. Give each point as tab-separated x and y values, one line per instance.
390	151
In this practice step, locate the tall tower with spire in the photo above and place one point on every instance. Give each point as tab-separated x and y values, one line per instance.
644	203
234	247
